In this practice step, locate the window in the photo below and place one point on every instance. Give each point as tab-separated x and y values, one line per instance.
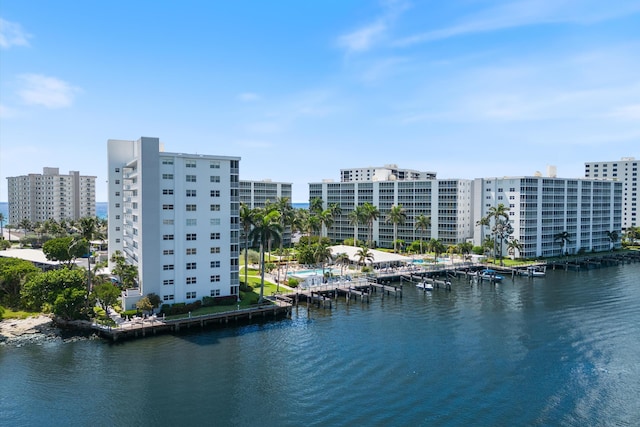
167	176
167	298
117	170
191	208
214	221
191	266
167	221
215	208
117	193
117	216
215	164
117	182
167	267
167	252
215	264
117	205
192	221
190	163
215	193
191	295
167	161
215	236
167	282
214	178
167	207
191	280
215	292
191	193
215	250
215	278
191	236
167	191
167	237
191	178
191	251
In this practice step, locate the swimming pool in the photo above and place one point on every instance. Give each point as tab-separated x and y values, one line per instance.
314	272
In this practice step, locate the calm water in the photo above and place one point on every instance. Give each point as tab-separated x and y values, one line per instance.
564	350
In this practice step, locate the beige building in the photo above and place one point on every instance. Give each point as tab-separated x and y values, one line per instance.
50	195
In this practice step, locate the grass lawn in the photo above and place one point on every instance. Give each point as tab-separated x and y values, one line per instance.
7	313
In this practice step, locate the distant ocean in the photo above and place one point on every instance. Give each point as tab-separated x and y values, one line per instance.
102	209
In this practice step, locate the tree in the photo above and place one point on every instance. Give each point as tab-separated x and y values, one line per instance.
2	219
127	274
355	218
155	300
88	228
502	230
435	246
370	215
335	210
563	239
325	218
144	304
322	254
316	205
483	222
512	246
60	291
613	238
266	228
65	249
501	226
343	260
364	254
26	226
14	273
106	294
423	223
246	218
396	215
465	248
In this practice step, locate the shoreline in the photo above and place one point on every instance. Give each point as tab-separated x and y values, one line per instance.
39	330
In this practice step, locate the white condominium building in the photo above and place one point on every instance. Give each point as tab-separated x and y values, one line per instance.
383	173
624	170
50	195
446	202
540	208
257	194
175	217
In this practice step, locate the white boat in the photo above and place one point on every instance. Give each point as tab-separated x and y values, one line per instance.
424	285
490	275
535	271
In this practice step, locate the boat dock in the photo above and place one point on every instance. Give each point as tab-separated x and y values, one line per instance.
140	327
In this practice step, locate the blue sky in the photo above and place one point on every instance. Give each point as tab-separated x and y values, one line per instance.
299	90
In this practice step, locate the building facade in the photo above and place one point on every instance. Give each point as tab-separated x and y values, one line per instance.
388	172
50	195
176	217
624	170
257	194
446	202
540	208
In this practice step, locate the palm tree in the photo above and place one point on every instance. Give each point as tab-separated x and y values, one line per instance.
326	219
465	248
2	225
266	228
322	253
26	226
483	222
246	220
343	259
514	245
435	246
613	237
396	215
370	214
315	205
501	225
563	239
364	255
355	218
423	223
89	231
286	218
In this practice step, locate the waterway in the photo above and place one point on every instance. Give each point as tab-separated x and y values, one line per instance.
561	351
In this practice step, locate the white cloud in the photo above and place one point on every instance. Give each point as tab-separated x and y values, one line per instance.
249	97
46	91
371	34
11	34
511	14
626	112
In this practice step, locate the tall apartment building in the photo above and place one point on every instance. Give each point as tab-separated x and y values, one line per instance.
447	202
50	195
388	172
542	207
257	194
176	217
624	170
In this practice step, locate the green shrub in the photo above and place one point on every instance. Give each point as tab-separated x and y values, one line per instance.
293	282
244	287
367	269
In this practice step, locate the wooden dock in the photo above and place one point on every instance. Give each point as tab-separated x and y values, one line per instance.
278	306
